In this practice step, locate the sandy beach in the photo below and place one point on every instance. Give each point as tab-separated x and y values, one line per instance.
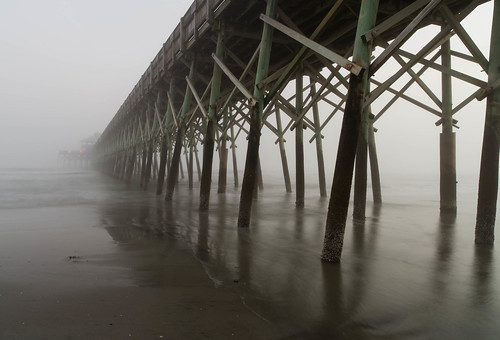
60	280
83	256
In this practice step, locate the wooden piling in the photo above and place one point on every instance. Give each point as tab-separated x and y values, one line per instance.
342	179
299	142
284	162
374	170
173	173
260	177
319	144
163	164
488	174
447	164
143	166
181	169
131	165
154	172
250	174
235	161
123	165
174	167
223	155
149	163
360	179
208	146
191	167
165	141
198	167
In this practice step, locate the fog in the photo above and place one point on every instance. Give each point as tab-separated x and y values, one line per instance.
67	66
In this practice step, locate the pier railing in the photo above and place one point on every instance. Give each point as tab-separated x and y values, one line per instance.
192	26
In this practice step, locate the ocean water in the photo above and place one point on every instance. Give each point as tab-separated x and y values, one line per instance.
407	272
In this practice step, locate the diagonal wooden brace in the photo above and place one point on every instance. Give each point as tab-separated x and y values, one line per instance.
321	50
197	98
234	80
402	37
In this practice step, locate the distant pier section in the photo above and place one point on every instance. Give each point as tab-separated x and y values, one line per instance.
82	158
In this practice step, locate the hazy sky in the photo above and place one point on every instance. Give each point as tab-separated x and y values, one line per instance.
67	66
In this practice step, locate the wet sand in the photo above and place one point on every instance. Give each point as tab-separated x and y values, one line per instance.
61	279
84	256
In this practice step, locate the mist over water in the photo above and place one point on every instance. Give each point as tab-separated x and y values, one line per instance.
407	272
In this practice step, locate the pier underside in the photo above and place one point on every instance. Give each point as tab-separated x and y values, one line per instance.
234	69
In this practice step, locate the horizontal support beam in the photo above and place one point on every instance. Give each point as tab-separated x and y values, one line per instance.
300	54
487	90
456	74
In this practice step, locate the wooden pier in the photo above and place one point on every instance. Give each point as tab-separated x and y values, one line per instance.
227	69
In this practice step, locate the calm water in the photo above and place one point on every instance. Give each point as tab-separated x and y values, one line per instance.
406	273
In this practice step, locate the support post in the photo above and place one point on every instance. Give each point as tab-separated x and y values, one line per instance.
113	165
361	170
260	178
351	127
131	164
149	163
223	153
163	164
123	165
360	179
176	157
374	170
143	165
155	165
299	141
447	147
488	174
173	173
198	167
138	166
319	144
250	174
235	162
208	146
186	157
116	167
284	162
115	161
181	168
165	143
191	166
